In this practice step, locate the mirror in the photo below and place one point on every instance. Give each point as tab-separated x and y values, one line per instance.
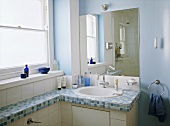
111	39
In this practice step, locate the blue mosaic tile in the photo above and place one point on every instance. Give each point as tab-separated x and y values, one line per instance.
13	112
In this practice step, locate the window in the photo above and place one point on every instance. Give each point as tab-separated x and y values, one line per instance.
91	24
122	39
23	36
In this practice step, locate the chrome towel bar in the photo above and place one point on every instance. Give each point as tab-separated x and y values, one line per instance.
158	83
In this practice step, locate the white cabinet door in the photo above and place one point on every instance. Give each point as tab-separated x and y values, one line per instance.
89	117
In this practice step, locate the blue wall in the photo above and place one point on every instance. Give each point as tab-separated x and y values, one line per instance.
62	35
101	38
154	63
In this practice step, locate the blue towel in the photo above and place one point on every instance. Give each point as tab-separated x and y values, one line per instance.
156	107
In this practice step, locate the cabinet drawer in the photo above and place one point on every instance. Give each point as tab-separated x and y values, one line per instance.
118	115
114	122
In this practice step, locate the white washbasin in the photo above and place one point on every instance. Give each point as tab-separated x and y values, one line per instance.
93	91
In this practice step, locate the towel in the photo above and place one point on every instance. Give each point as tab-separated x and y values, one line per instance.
156	107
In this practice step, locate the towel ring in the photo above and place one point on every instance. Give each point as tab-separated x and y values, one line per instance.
158	83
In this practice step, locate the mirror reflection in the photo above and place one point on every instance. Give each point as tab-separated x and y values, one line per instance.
109	43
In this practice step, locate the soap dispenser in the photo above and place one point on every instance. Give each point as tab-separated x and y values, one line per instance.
59	83
87	78
63	82
116	84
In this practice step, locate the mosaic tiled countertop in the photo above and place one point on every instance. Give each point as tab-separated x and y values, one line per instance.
21	109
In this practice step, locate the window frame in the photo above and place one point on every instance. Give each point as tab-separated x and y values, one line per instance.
96	59
123	39
12	72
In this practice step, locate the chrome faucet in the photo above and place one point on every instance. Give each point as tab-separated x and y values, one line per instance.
104	83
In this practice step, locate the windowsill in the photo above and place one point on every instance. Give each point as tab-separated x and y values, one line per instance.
96	65
13	82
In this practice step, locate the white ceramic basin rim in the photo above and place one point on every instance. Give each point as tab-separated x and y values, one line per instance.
98	92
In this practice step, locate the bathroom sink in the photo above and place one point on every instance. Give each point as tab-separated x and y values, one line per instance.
93	91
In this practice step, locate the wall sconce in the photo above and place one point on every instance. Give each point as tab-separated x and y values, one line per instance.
105	7
155	43
109	45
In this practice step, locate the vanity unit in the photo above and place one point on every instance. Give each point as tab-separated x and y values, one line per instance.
97	111
65	108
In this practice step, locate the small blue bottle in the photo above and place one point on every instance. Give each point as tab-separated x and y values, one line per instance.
91	61
26	70
87	81
82	80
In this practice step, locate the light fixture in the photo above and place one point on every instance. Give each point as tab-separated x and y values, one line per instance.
109	45
105	7
155	43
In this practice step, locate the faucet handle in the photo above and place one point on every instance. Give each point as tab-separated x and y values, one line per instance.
104	84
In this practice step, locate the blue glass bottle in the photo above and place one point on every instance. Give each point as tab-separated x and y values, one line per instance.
26	70
91	60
